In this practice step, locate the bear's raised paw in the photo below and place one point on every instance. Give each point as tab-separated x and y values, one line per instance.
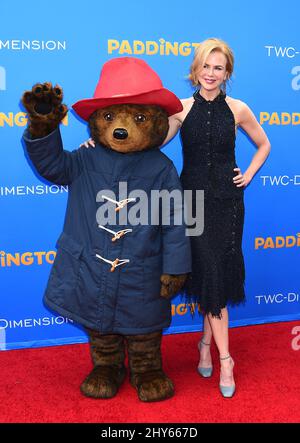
45	108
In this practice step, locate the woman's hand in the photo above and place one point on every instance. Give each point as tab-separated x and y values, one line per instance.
88	144
241	180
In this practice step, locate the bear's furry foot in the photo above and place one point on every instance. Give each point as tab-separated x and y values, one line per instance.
108	354
146	374
153	386
103	382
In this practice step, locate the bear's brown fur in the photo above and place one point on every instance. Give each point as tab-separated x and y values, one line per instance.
124	128
146	127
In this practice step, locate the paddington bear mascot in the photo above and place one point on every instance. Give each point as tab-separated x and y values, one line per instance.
112	275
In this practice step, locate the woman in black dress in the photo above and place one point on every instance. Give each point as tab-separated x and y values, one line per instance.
208	126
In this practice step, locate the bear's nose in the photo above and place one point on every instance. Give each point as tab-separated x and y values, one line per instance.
120	133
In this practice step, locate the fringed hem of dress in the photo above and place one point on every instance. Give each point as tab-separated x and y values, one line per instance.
224	287
191	303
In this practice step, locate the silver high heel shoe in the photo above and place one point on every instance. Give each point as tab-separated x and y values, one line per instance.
227	391
205	372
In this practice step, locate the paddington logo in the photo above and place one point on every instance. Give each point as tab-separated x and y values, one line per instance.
19	119
2	79
184	309
278	242
150	47
8	259
282	118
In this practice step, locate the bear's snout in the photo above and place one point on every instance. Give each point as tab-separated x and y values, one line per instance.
120	133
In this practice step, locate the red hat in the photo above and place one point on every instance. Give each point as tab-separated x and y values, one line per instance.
126	80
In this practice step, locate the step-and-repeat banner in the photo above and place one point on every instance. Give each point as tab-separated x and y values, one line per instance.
68	44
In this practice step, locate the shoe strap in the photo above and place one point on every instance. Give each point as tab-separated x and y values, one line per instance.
226	358
203	343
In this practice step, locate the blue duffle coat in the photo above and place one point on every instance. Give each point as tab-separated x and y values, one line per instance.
82	285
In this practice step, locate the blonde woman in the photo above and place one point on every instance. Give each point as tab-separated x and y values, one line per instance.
208	125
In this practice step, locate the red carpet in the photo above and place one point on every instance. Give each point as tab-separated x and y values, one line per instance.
42	385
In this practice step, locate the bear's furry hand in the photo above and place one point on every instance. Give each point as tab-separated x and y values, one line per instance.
171	284
45	109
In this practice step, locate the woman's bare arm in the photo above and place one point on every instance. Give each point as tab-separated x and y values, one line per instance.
248	122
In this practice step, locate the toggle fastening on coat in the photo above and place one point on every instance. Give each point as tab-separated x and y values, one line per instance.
81	286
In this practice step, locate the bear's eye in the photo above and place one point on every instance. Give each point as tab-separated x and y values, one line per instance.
108	117
140	118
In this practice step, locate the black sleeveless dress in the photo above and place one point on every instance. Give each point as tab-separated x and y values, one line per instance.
208	140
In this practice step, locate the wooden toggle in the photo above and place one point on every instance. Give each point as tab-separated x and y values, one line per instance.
118	235
114	264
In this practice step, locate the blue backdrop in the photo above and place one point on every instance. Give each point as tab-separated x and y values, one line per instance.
68	45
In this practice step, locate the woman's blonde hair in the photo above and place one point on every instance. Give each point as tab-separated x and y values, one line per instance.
203	51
